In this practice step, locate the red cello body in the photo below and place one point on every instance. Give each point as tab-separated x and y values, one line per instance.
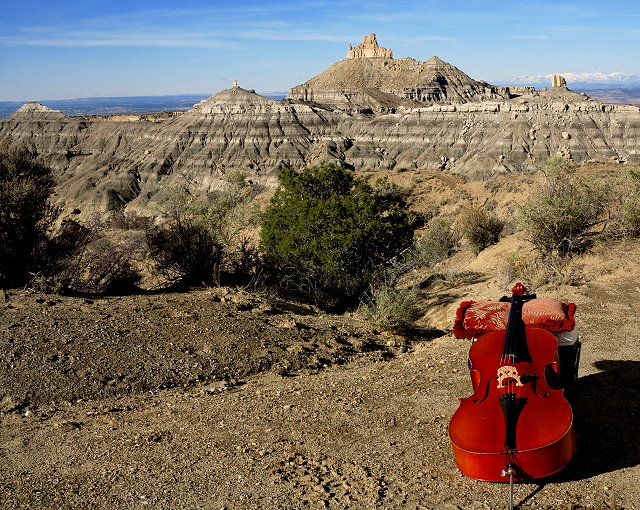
515	423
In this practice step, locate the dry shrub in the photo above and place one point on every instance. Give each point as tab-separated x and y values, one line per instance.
186	250
456	276
208	243
25	215
536	271
104	266
438	242
85	259
560	217
479	227
130	220
627	223
392	309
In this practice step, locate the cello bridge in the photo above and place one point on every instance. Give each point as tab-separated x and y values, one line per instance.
506	373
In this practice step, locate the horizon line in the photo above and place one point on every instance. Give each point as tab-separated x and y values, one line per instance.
207	94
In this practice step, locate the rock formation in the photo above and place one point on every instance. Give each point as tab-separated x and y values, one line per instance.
358	81
558	82
37	111
112	165
433	81
369	49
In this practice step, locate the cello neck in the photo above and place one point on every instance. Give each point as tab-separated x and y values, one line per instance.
514	348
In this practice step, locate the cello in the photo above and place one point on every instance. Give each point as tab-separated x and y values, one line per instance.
517	425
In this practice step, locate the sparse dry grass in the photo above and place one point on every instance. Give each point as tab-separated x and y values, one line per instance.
393	309
536	271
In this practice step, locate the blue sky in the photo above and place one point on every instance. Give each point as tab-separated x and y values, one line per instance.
51	49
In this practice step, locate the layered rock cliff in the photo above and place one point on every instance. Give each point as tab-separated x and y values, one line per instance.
481	139
433	81
139	164
368	67
111	164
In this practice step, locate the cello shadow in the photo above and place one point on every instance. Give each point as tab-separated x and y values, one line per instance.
525	500
606	407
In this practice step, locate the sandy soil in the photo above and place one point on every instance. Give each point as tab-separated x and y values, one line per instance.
158	401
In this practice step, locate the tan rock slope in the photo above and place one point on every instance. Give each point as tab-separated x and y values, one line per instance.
37	111
396	120
369	68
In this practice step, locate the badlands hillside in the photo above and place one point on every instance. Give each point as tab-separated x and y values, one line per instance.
369	112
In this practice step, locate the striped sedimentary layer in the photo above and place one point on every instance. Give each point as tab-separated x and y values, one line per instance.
115	164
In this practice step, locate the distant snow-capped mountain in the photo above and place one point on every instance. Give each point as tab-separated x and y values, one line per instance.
581	80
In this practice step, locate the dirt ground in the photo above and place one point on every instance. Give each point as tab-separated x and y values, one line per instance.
220	399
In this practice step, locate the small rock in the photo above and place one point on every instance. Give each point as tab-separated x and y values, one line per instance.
9	404
282	370
68	426
293	324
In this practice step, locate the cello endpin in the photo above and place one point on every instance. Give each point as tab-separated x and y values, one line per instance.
510	471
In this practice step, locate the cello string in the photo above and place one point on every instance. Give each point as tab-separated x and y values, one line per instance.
511	490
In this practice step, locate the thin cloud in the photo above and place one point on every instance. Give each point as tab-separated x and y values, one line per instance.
538	37
601	29
117	39
420	39
287	35
225	27
204	28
